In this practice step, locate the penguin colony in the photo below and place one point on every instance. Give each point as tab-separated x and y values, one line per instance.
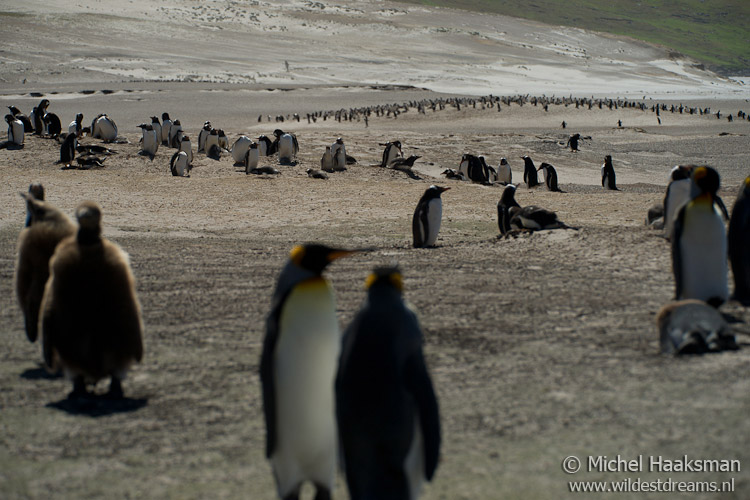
313	378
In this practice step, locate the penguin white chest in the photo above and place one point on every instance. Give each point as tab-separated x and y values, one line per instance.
434	218
286	147
239	148
15	132
251	159
504	174
703	255
679	195
463	168
305	362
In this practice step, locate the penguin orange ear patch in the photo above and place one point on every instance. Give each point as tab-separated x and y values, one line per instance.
297	254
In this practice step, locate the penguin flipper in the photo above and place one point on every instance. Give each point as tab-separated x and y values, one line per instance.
677	254
419	385
722	207
418	222
266	376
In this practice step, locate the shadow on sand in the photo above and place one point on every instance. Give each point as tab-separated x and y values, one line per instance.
98	406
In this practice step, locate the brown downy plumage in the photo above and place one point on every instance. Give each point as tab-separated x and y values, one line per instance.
91	317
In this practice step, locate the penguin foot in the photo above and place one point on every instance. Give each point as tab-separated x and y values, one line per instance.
79	389
115	389
322	493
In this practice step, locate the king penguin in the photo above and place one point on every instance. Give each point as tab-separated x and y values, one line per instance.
529	172
427	217
739	243
550	177
388	417
608	174
699	244
507	201
91	317
46	227
504	174
297	372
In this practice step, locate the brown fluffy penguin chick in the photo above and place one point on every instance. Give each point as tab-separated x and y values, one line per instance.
46	227
91	317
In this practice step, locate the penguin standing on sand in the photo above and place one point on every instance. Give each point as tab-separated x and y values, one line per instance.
680	190
157	128
68	148
287	146
179	165
166	126
504	174
739	243
52	124
608	174
392	151
573	142
326	162
265	146
187	147
37	116
427	217
213	150
46	227
239	148
28	126
203	135
550	177
338	151
529	172
76	125
91	317
388	417
297	372
252	156
175	134
507	201
699	244
15	130
149	141
692	327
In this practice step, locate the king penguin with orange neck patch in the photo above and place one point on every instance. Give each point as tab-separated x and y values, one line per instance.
699	243
297	371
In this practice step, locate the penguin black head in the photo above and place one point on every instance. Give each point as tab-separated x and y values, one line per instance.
503	161
89	217
165	116
278	133
608	159
339	141
9	118
528	161
221	133
43	104
389	276
185	138
434	192
253	145
177	122
397	144
509	195
37	191
207	126
154	119
14	110
315	257
79	117
145	126
707	179
682	172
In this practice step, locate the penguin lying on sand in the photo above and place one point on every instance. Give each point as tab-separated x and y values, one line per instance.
693	327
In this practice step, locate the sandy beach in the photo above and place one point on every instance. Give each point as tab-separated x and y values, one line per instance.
540	347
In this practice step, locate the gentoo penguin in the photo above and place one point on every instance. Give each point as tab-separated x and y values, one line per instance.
203	135
392	150
76	125
36	190
46	227
452	173
28	126
223	140
179	164
166	125
265	146
103	127
507	201
534	218
37	116
252	157
174	134
316	174
529	172
52	124
186	147
213	150
149	141
573	142
265	169
387	411
655	216
91	317
239	148
739	243
693	327
15	130
427	217
68	148
699	244
297	372
338	152
157	128
404	164
550	177
679	191
326	162
287	146
608	174
504	174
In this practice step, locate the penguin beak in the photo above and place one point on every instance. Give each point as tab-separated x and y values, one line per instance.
443	189
338	254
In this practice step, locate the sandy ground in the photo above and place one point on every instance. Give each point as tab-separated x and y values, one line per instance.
540	347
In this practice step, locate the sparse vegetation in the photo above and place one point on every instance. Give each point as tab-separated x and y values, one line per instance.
711	31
